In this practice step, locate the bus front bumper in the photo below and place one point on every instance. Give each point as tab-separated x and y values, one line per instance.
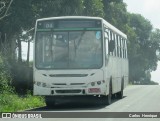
98	90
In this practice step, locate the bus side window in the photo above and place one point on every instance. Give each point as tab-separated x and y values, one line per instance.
113	39
106	35
117	46
125	48
119	49
122	47
110	38
116	54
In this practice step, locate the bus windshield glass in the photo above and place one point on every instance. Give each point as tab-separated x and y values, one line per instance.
68	49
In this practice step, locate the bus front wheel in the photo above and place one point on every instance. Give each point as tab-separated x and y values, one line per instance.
107	100
109	96
50	101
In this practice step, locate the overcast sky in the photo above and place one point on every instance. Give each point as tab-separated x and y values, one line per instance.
150	9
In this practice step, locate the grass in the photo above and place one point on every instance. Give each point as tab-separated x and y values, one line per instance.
12	103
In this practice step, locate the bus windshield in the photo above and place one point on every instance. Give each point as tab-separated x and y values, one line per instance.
68	50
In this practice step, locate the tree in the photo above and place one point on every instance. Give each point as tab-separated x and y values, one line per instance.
50	8
4	8
93	8
155	45
21	19
143	59
115	13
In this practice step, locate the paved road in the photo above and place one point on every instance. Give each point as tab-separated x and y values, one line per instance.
136	99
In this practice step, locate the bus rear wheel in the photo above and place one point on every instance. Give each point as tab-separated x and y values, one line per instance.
120	94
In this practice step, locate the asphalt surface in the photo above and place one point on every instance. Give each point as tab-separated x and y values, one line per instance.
136	99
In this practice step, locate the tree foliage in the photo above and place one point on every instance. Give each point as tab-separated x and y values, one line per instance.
93	8
5	76
4	8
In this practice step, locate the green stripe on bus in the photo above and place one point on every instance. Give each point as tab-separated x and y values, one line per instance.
64	29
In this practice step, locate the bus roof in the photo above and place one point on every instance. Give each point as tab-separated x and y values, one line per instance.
87	17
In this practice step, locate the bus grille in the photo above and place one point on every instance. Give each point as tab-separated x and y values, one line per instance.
68	91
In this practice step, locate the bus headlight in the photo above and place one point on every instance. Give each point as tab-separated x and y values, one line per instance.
92	83
38	83
44	84
96	83
99	82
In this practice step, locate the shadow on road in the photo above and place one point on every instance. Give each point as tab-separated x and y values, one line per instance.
73	106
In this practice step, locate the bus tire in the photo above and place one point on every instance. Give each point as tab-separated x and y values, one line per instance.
50	101
109	96
120	94
107	100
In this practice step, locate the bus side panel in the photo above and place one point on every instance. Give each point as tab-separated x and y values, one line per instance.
113	71
117	70
126	76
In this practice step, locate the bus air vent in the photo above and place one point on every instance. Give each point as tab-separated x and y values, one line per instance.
68	91
68	75
59	83
77	83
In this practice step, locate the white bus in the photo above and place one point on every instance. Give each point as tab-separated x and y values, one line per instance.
79	57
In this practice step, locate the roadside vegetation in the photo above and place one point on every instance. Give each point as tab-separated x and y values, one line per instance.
10	100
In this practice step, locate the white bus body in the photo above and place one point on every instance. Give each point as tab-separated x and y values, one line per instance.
79	56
